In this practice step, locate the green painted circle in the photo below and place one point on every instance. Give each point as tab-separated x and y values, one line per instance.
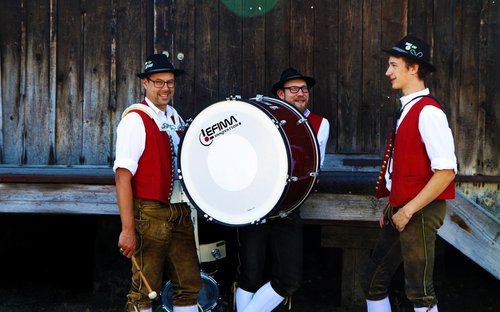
250	8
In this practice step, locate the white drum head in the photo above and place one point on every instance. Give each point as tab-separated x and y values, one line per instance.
234	162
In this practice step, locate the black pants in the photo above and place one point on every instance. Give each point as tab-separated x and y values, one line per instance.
280	239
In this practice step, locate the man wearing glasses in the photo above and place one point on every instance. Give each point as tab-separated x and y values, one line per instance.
281	236
155	230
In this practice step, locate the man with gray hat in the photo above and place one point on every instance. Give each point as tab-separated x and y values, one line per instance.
155	231
417	174
283	236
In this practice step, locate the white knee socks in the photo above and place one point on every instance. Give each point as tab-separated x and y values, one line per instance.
379	305
433	309
243	298
264	300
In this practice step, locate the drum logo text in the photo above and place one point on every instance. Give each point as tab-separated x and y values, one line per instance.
208	134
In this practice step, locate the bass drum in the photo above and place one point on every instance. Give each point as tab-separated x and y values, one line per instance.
208	298
242	161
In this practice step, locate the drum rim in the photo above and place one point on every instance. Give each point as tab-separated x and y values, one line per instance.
289	166
261	99
204	276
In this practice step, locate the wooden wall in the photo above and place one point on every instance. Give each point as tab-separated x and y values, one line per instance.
67	72
67	68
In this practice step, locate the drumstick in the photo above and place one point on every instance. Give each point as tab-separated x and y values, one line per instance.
152	294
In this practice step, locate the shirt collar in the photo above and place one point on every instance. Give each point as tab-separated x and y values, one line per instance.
154	108
169	112
407	98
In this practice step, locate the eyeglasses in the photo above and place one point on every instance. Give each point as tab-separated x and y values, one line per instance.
158	83
295	89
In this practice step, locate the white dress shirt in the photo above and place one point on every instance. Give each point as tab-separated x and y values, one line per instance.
131	135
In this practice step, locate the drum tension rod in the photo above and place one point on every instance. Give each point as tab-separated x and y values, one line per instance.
283	214
209	218
301	121
293	179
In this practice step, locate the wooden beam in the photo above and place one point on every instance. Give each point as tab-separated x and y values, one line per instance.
467	226
336	181
473	231
98	175
57	199
101	199
342	207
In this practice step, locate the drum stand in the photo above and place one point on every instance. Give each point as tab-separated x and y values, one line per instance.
207	252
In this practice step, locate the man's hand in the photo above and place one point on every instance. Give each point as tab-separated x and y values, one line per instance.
401	219
127	243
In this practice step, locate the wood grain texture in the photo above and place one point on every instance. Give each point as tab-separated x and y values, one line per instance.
349	71
278	40
11	80
69	109
253	61
490	76
36	149
325	100
473	231
233	49
96	126
67	69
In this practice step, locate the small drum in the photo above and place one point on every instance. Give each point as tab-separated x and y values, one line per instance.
241	161
208	298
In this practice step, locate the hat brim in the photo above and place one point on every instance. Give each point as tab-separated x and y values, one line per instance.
412	57
177	72
310	81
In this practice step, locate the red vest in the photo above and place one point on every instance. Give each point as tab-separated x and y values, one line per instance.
411	164
153	179
315	121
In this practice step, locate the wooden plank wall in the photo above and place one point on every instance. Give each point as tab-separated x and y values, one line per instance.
67	73
67	68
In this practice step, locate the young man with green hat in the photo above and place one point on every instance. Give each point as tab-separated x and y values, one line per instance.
417	174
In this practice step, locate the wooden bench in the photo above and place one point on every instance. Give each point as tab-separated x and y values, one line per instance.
347	216
347	220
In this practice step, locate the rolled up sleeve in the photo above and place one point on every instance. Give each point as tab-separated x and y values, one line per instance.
130	142
438	139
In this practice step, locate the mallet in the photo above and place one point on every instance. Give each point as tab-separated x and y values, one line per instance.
152	294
